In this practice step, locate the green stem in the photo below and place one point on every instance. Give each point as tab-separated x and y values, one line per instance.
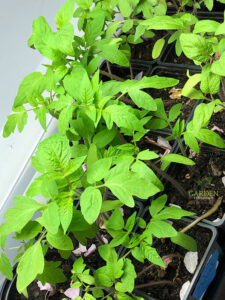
152	283
112	76
54	113
210	212
8	249
181	147
125	255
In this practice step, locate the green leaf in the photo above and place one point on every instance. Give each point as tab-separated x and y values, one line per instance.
49	189
161	229
52	273
28	268
123	117
196	47
42	35
74	165
152	255
210	83
206	26
94	29
157	205
209	4
72	82
145	172
5	267
62	102
172	213
64	118
59	240
138	254
85	4
102	278
31	87
177	158
141	223
92	155
51	220
91	202
115	221
66	212
217	66
125	8
191	141
53	154
112	28
30	231
20	214
185	241
108	205
127	280
174	111
130	222
115	56
158	46
98	169
65	13
17	119
127	25
163	22
139	31
63	40
104	137
142	99
210	137
41	116
147	155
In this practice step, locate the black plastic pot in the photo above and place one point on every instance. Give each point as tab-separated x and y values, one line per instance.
203	14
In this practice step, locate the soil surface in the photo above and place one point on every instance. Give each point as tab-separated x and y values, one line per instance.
203	182
218	119
143	51
176	272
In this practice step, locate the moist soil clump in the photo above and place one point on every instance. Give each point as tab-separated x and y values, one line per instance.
202	182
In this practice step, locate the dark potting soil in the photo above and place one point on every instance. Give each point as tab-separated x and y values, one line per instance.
203	182
218	119
176	271
34	292
143	51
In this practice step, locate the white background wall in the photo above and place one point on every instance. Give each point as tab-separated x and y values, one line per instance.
17	61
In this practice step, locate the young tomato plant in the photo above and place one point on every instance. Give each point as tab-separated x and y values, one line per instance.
88	171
